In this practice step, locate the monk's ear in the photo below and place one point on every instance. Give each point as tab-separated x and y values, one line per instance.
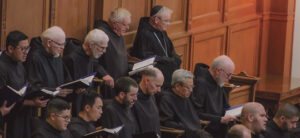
122	95
10	49
282	118
52	116
250	117
87	107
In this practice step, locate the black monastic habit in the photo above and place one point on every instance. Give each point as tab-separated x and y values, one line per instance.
177	112
18	121
114	60
79	65
117	114
45	130
80	127
149	42
273	131
146	112
210	102
46	71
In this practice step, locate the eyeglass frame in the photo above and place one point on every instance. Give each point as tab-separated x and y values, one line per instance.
66	118
165	21
227	74
99	47
60	45
24	49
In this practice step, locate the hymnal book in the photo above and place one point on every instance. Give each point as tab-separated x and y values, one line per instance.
235	110
83	82
113	131
48	93
141	65
12	95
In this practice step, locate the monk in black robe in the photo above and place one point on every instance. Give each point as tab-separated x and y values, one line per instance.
91	110
81	61
57	120
12	73
152	40
145	108
114	60
283	123
119	111
209	98
45	67
176	109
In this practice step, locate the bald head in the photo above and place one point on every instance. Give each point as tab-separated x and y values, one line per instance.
222	62
239	131
53	33
254	117
222	69
152	80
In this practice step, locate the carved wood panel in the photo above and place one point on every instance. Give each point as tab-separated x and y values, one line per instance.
22	16
243	46
206	46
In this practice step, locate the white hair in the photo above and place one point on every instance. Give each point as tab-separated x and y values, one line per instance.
96	35
163	11
52	33
118	14
221	61
180	76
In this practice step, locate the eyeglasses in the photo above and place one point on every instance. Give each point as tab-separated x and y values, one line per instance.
227	74
99	47
66	118
60	45
166	21
24	49
189	87
123	24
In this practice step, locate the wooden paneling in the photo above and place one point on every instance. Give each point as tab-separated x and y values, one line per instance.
178	20
235	9
22	16
243	46
205	12
181	45
206	46
72	15
136	14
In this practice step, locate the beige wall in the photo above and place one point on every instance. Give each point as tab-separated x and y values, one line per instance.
296	44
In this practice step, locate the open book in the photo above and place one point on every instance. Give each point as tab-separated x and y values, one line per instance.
12	95
235	110
114	131
141	65
82	82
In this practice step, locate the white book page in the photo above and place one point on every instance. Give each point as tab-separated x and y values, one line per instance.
19	92
143	63
235	111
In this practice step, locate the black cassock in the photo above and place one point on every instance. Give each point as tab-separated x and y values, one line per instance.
210	102
149	42
258	136
114	60
116	115
79	127
45	130
44	70
177	112
79	64
273	131
146	112
12	73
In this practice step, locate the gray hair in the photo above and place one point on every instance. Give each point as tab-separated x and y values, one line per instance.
52	33
118	14
163	11
180	76
221	61
96	35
